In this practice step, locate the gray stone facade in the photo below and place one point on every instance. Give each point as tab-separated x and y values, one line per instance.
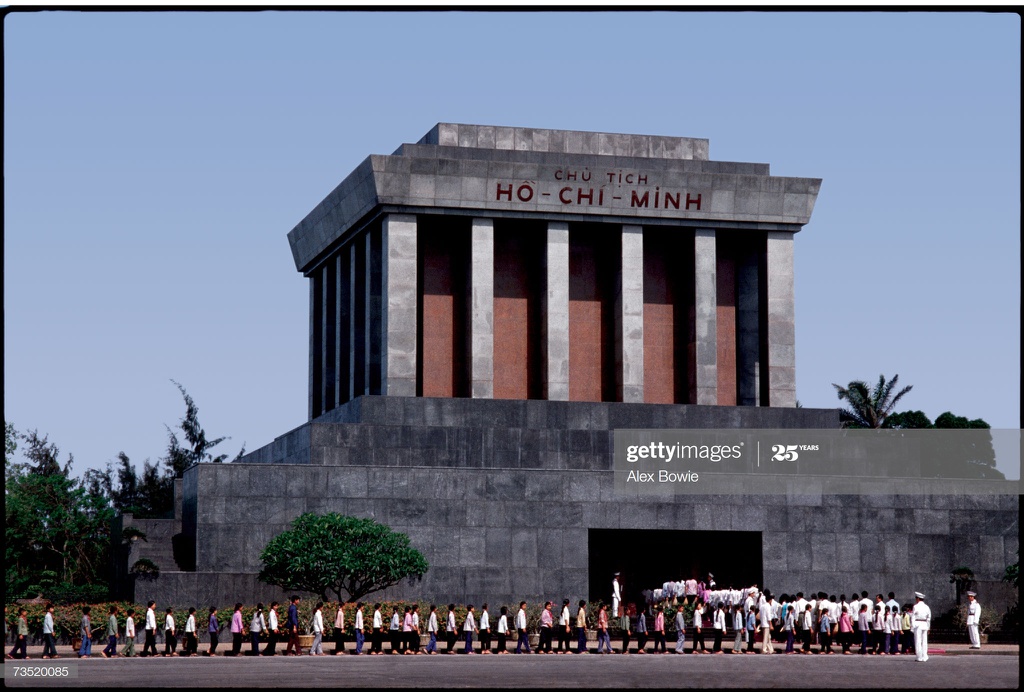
500	497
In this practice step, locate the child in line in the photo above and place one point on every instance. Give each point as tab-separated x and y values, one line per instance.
129	634
86	632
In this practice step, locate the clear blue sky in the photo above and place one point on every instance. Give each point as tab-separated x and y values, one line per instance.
153	164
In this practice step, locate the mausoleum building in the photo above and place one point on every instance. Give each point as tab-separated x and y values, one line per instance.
487	306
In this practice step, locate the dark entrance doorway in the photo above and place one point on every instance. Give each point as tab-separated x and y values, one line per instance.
647	558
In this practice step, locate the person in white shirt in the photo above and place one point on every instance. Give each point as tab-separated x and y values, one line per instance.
149	648
878	630
257	626
800	604
377	648
698	628
395	632
807	626
468	628
766	612
191	640
922	619
49	638
339	630
503	631
360	634
485	630
523	645
973	619
170	640
432	631
691	590
719	624
129	633
868	602
886	630
273	630
451	633
564	628
823	606
897	632
415	638
317	649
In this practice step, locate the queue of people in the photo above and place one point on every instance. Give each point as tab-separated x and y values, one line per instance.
879	627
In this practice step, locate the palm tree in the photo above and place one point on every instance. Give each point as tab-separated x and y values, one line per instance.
869	409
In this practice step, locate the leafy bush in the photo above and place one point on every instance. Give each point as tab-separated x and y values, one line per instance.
336	554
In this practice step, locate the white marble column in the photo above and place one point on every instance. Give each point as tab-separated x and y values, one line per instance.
781	322
481	338
629	325
398	305
706	315
556	312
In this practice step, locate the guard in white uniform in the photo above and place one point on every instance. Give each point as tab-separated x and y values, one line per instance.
616	595
973	619
921	620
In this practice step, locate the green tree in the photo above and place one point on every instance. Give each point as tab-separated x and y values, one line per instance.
970	453
332	553
908	420
10	443
179	457
866	407
57	531
149	495
949	421
1011	572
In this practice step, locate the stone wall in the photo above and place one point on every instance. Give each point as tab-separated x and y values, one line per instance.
502	510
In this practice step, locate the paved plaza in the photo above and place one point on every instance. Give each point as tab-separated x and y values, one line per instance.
996	666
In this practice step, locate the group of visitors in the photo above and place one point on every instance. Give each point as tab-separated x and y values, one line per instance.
880	627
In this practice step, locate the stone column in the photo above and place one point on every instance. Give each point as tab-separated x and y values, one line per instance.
748	338
341	328
629	325
481	338
327	344
706	315
781	329
398	305
314	347
374	306
556	313
357	318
